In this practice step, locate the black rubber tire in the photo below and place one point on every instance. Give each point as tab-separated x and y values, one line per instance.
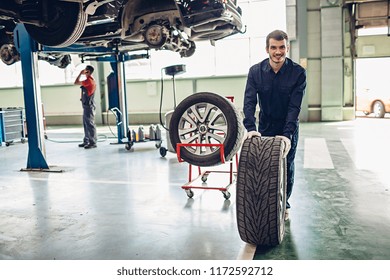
190	51
66	27
261	191
216	120
9	54
378	109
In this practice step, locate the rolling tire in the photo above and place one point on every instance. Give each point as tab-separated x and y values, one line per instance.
65	29
379	109
261	191
206	118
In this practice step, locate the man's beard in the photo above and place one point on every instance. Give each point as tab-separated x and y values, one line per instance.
277	59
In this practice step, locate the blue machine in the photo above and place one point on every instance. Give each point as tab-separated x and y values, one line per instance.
28	50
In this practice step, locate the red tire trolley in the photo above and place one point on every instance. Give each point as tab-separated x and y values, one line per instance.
204	175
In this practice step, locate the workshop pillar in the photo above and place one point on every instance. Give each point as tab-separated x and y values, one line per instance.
321	41
296	13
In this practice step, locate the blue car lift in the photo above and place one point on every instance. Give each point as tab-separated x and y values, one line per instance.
32	100
28	50
117	96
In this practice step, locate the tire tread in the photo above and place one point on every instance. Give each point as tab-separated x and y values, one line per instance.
258	181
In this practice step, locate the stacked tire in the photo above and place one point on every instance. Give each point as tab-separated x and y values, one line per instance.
210	119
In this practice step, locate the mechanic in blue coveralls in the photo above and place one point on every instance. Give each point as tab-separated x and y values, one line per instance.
88	87
277	84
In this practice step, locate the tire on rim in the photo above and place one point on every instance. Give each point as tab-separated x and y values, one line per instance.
379	109
261	191
206	118
64	28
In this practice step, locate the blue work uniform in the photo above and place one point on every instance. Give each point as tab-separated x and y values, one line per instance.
89	109
279	96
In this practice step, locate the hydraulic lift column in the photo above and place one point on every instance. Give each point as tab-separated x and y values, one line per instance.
28	50
118	100
32	99
117	91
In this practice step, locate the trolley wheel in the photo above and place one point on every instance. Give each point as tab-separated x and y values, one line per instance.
163	151
261	191
23	140
158	145
226	195
129	145
189	193
7	143
204	178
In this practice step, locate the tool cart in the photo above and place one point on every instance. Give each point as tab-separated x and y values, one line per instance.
12	125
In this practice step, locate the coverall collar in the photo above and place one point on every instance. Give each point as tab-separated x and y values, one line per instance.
267	67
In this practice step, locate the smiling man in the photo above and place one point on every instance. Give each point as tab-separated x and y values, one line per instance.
277	84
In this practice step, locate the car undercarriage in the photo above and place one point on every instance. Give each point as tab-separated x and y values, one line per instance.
127	25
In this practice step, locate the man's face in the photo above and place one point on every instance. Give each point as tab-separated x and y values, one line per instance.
277	50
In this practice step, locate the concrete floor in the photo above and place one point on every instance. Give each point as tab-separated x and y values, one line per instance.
110	203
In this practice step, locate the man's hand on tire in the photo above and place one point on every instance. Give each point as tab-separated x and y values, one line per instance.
253	133
287	144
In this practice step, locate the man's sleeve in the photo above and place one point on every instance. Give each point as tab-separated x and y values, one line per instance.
294	107
85	83
250	102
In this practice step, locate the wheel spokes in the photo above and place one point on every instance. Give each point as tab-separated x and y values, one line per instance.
202	123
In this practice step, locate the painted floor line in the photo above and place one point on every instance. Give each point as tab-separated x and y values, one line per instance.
84	181
316	154
247	252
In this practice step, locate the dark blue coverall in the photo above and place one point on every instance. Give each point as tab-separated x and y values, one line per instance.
89	109
279	97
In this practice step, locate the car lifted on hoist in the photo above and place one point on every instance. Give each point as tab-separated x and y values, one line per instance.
127	24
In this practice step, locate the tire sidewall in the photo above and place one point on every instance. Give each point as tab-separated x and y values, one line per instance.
70	30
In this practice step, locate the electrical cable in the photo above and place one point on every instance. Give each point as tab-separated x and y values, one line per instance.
161	97
100	138
161	100
108	122
174	92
